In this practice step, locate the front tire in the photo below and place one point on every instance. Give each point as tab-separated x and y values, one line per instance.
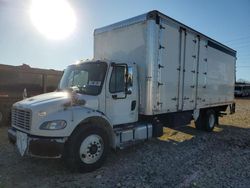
86	149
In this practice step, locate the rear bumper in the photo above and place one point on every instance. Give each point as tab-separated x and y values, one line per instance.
46	147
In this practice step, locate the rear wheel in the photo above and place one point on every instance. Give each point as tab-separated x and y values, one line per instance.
207	120
86	148
199	123
211	120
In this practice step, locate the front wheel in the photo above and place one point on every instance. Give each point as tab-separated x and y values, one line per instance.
91	149
86	148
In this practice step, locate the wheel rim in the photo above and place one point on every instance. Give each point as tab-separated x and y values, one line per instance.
91	149
211	120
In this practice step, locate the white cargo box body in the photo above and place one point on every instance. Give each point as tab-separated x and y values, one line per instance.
179	68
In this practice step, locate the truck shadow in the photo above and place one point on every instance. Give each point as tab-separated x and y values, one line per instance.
188	136
179	145
186	133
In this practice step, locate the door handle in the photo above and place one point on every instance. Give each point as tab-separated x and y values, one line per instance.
114	96
133	105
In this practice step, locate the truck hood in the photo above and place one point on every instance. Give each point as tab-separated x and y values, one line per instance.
55	101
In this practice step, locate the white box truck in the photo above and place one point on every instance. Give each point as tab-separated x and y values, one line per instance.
148	72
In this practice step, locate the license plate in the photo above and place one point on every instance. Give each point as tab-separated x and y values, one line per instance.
21	142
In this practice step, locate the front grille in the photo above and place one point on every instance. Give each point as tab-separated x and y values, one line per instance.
21	118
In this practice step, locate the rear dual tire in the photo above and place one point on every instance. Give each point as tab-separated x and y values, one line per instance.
207	120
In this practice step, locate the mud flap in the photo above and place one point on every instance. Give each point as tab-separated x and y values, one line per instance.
232	108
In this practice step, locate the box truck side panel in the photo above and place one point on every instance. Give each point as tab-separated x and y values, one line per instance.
168	64
202	74
190	71
219	85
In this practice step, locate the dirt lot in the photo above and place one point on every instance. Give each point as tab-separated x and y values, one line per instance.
183	157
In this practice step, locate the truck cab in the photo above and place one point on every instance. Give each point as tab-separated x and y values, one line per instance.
112	86
78	121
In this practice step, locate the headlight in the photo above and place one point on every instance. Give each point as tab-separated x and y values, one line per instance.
53	125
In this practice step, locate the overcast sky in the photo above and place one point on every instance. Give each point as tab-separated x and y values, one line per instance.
226	21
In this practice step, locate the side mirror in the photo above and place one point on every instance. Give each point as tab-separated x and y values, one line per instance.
129	80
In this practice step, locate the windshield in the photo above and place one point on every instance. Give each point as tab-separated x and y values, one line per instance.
86	78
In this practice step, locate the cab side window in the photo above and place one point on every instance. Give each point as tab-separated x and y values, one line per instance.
117	80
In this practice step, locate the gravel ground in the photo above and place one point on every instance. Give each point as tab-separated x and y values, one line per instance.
182	157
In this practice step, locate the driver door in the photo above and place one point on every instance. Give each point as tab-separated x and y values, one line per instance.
122	94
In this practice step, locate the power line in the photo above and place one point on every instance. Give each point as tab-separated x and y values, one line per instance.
245	58
242	67
238	42
236	39
244	52
241	54
241	45
243	63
